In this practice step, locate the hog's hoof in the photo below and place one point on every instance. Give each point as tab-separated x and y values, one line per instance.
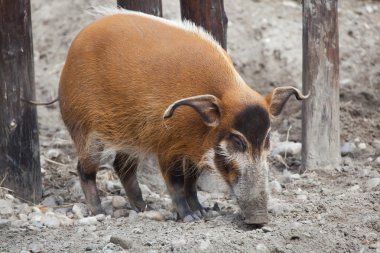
191	218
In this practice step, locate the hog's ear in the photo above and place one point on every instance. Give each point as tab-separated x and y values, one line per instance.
279	96
207	106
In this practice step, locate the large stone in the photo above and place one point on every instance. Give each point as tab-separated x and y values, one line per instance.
88	221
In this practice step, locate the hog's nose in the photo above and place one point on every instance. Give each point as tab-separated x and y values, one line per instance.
257	218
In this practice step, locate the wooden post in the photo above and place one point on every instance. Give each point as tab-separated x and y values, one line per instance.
153	7
320	113
19	147
209	14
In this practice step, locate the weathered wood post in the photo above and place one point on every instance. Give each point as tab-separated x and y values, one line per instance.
320	113
153	7
19	147
209	14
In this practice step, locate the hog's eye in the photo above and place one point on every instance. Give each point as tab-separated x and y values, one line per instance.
238	143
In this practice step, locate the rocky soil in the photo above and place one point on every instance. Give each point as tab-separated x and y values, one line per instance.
311	211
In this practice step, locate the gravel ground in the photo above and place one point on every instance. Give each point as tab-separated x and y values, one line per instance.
310	211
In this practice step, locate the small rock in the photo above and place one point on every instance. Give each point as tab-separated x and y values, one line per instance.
287	147
4	223
64	220
76	190
375	246
377	161
53	153
277	207
302	197
372	183
100	217
261	248
36	247
348	149
36	219
376	145
50	201
120	213
118	202
113	186
23	217
50	220
354	188
123	242
362	146
178	244
80	210
266	229
138	231
107	206
204	245
216	207
88	221
153	215
275	186
132	215
6	207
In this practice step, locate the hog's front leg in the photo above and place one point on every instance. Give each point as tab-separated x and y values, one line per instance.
175	181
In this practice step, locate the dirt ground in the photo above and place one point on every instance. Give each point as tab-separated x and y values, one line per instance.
314	211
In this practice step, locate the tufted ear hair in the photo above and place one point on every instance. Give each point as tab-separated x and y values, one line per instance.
207	106
279	96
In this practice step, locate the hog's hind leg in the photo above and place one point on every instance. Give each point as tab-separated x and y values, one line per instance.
126	168
87	174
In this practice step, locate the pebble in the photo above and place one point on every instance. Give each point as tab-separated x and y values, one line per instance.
261	248
178	243
36	247
375	246
132	216
153	215
138	231
118	202
107	206
53	153
290	148
113	186
50	220
204	245
52	201
376	144
120	213
277	207
362	146
6	207
64	220
88	221
80	210
100	217
4	223
123	242
354	188
266	229
372	183
302	197
348	148
377	161
76	190
275	186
